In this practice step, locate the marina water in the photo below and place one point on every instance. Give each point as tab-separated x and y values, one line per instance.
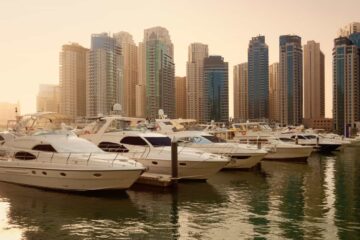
318	200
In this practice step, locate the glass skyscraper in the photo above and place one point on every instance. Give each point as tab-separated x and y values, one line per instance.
291	80
258	78
216	96
346	83
105	75
158	74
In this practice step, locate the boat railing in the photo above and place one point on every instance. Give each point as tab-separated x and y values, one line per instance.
211	148
69	158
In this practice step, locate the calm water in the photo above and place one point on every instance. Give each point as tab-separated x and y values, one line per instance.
318	200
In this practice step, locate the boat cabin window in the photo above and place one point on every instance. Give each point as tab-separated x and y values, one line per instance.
1	138
159	141
24	156
167	123
94	127
138	141
112	147
214	139
310	137
44	148
286	139
118	125
298	136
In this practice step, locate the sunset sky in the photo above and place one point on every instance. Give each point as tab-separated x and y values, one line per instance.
33	31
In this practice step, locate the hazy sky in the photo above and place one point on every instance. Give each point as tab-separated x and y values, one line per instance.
33	31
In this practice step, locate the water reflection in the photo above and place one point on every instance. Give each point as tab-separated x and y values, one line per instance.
43	214
318	200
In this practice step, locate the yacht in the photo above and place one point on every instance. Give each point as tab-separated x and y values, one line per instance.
62	161
318	142
242	156
130	137
260	133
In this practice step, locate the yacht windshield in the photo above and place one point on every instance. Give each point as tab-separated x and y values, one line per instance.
214	139
159	141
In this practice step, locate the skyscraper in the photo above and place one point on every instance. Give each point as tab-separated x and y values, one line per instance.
314	81
290	76
241	92
258	78
274	92
130	72
197	52
216	96
346	82
73	60
349	29
48	98
157	73
180	97
105	74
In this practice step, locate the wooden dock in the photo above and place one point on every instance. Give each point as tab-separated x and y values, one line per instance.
153	179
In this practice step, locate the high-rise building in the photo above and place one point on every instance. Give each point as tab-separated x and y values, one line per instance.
8	111
240	77
346	83
73	60
130	72
274	92
349	29
291	80
314	81
197	52
104	80
180	97
48	98
258	78
140	89
156	74
216	95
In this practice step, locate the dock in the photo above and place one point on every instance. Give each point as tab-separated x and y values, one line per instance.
154	179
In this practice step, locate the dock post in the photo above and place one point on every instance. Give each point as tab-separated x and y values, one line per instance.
317	141
259	144
174	160
296	139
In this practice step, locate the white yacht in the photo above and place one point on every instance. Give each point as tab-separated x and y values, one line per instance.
61	160
242	156
319	143
122	134
261	133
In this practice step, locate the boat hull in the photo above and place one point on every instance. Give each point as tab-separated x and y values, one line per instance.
190	170
70	180
290	154
244	163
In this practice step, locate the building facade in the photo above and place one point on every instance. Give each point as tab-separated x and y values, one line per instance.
216	96
197	52
346	82
314	81
129	55
274	92
73	61
103	87
240	77
349	29
291	80
157	74
258	78
48	98
180	97
8	112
